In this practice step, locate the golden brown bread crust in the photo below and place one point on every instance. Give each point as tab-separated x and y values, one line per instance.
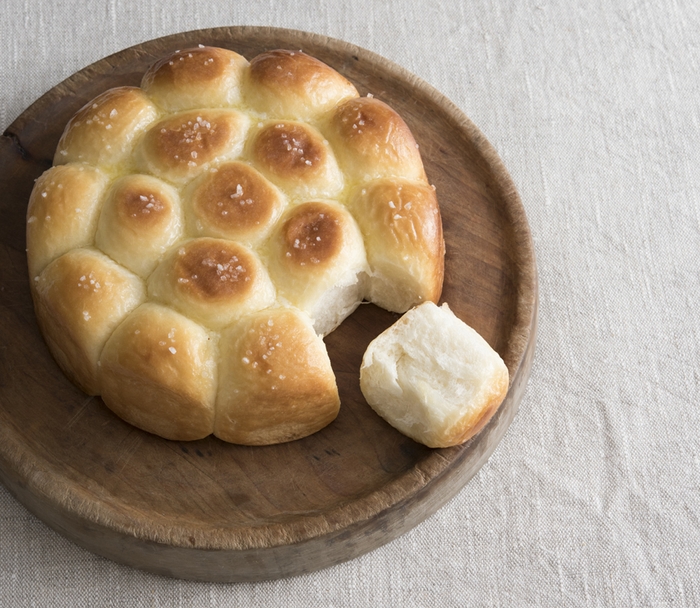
104	131
289	84
141	218
201	77
215	281
276	381
295	156
312	235
373	141
79	300
62	213
234	202
178	147
213	203
158	372
401	222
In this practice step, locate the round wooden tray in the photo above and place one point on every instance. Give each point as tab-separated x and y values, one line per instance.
207	510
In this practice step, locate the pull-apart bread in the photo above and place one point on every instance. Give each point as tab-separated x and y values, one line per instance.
198	235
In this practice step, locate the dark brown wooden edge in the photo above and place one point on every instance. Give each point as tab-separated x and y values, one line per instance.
376	519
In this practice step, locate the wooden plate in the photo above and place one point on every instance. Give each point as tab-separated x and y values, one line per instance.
207	510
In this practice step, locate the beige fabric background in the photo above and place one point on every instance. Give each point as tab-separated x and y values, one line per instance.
593	497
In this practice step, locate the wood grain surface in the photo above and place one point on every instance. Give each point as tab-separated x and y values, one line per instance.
207	510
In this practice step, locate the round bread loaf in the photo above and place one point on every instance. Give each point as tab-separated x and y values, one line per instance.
200	234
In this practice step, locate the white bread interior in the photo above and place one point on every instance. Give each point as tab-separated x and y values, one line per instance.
433	377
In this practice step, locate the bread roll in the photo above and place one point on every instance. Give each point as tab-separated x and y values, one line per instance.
200	77
158	372
295	156
63	211
291	84
401	224
373	141
276	380
177	148
201	233
433	377
317	260
141	218
215	281
79	299
233	201
104	131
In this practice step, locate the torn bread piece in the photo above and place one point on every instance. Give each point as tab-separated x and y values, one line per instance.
433	378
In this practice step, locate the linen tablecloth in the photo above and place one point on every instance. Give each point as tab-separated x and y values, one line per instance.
593	496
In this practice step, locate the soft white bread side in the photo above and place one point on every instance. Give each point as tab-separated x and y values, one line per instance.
158	372
433	377
275	380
